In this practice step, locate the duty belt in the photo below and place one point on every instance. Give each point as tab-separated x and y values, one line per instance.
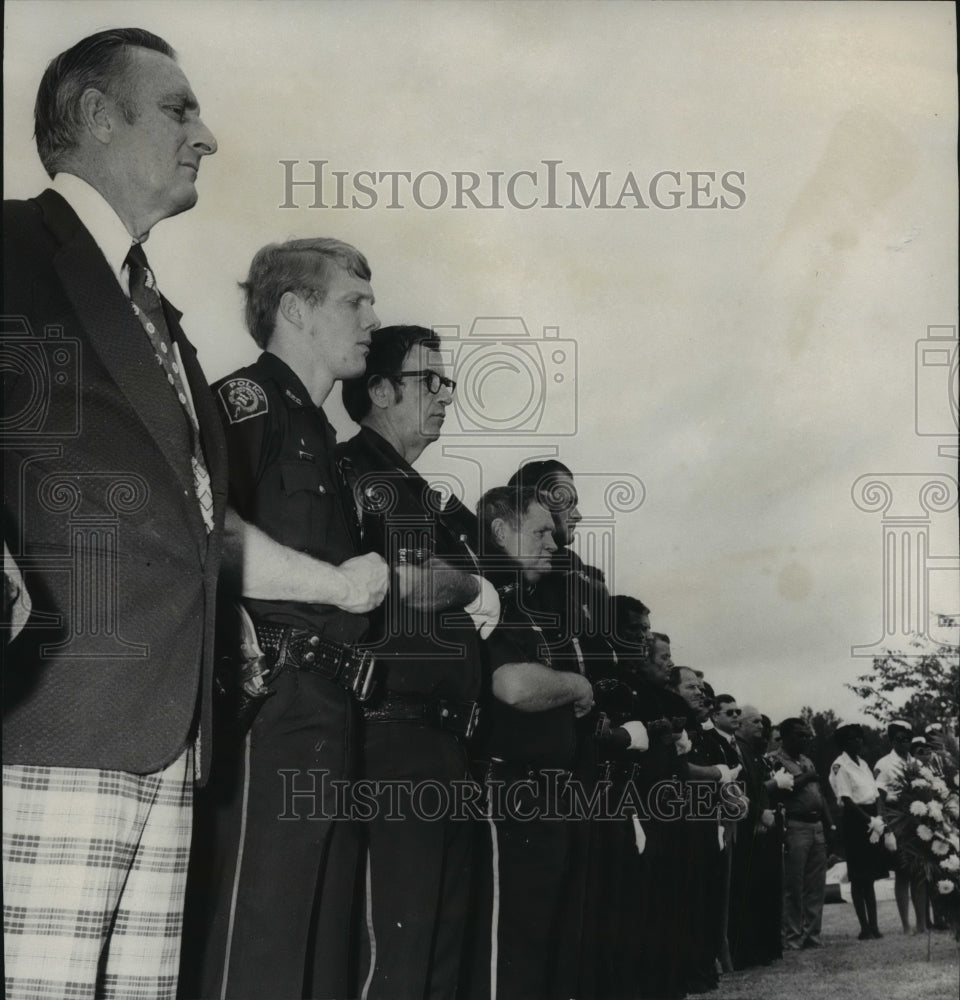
305	650
814	816
495	769
458	717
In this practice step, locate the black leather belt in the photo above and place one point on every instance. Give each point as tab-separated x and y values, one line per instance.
458	717
808	817
495	769
305	650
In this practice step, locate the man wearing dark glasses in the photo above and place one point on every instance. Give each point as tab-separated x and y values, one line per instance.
427	642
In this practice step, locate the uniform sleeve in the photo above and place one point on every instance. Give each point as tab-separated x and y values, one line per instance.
884	775
505	646
840	780
245	412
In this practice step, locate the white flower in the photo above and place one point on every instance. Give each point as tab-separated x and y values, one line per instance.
926	773
919	783
875	825
940	787
944	886
951	863
874	837
940	847
890	840
918	808
935	811
924	832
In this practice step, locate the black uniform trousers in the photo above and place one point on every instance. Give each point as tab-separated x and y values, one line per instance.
704	897
611	971
521	939
274	876
663	944
418	864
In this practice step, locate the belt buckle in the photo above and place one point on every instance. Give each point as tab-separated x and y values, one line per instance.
361	683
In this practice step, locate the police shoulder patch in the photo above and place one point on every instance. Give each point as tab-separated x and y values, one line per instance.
242	398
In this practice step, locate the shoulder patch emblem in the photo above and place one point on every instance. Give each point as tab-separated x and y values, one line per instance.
242	398
836	766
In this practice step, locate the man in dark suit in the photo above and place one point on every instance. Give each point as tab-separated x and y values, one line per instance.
114	510
114	499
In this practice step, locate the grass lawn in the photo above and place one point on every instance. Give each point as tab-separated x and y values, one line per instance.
894	968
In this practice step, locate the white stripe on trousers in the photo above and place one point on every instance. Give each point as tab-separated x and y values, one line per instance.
495	899
371	933
239	865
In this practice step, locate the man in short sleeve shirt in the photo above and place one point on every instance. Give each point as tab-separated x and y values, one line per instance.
805	866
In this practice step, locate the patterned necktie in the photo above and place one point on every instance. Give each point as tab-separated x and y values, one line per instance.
149	310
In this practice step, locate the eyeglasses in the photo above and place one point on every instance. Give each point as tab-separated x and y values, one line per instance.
731	711
433	380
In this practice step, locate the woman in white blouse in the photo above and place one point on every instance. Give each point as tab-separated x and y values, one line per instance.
856	790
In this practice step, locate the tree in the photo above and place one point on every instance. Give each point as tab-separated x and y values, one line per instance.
822	750
919	688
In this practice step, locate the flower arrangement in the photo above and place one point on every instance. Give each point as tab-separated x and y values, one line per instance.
922	810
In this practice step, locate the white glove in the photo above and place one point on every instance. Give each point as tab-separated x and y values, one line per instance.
639	837
484	609
784	779
684	744
890	840
639	738
728	773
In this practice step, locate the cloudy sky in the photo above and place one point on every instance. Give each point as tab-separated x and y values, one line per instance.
703	242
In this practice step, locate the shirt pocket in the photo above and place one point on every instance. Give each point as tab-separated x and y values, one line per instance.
308	505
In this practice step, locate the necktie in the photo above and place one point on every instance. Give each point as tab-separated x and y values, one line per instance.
149	310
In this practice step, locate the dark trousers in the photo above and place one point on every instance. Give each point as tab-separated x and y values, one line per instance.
274	877
611	927
704	899
662	945
521	935
418	868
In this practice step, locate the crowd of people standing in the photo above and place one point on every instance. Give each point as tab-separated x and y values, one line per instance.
435	756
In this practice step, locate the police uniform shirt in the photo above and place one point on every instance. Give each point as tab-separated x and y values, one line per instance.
433	654
576	615
853	779
888	771
283	479
538	739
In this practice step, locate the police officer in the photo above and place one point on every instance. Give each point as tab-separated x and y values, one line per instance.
276	877
428	650
575	596
528	750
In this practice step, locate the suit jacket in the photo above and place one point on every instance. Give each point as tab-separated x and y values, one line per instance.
114	667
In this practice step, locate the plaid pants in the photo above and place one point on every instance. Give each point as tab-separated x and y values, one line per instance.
94	871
